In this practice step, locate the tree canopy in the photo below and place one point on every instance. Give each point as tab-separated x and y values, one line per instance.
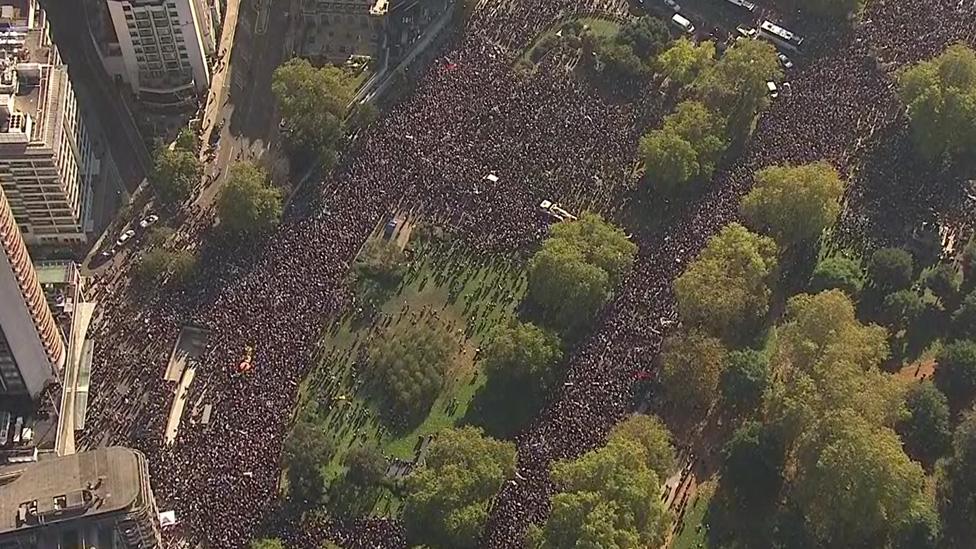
838	272
900	309
692	365
365	466
726	289
647	35
685	60
926	431
891	269
306	449
653	437
608	498
519	362
752	464
411	363
735	85
964	317
447	500
267	543
941	99
794	204
249	203
174	175
944	280
956	486
744	379
313	103
955	374
854	483
573	274
686	148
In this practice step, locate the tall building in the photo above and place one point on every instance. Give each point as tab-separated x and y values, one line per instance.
32	348
164	45
99	499
47	163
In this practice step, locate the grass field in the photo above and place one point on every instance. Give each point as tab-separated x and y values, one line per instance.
470	295
600	28
691	537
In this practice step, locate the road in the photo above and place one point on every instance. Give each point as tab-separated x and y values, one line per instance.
242	103
97	90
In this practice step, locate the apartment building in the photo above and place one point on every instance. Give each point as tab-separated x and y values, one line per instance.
47	162
99	499
164	45
32	348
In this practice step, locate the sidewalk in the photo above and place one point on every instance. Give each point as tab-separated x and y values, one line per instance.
218	90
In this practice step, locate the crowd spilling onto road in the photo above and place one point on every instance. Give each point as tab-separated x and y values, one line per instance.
543	136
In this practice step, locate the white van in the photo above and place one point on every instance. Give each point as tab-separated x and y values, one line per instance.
683	23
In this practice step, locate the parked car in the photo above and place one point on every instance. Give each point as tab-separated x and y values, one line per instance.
787	64
745	32
672	4
149	221
124	237
771	88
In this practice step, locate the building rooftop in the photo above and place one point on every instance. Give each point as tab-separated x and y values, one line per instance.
88	484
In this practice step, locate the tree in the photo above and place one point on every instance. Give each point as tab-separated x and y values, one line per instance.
653	437
944	280
685	60
891	269
964	318
608	498
900	309
955	372
174	175
249	203
646	35
752	464
520	364
832	8
365	465
306	449
158	235
838	272
956	485
692	127
692	365
267	543
735	85
153	266
186	140
744	379
572	276
313	102
969	266
670	161
926	430
854	483
824	328
183	265
620	61
447	500
941	99
411	363
794	204
726	289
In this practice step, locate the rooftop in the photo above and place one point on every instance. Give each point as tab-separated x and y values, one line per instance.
88	484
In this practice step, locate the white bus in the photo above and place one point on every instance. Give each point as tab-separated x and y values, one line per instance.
745	4
781	37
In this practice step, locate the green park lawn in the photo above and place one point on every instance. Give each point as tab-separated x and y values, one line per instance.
471	296
690	537
601	28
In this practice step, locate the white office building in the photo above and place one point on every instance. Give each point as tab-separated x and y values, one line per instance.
164	46
47	163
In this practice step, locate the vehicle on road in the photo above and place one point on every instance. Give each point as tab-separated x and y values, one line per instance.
772	89
125	237
683	23
781	37
672	4
745	32
149	221
785	61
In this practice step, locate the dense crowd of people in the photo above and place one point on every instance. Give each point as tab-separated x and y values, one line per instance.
543	136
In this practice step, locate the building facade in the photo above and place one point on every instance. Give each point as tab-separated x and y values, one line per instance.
47	162
32	348
164	45
99	499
